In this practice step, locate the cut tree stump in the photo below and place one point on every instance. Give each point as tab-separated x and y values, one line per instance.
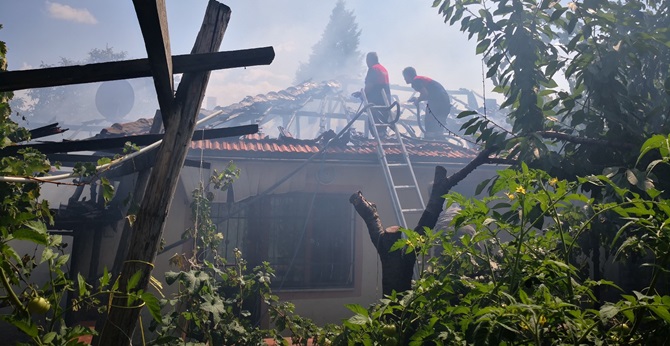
397	266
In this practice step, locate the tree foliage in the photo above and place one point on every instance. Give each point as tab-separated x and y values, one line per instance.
520	278
35	308
336	55
585	82
218	301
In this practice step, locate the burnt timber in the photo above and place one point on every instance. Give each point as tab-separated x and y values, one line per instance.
128	69
118	142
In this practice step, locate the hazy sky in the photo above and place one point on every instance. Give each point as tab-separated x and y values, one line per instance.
403	32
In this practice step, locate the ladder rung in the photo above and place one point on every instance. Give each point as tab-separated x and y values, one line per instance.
416	210
405	186
397	164
390	143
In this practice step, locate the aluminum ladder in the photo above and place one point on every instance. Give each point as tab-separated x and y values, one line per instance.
398	171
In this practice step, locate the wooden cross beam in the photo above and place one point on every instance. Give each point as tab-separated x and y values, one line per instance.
135	68
96	144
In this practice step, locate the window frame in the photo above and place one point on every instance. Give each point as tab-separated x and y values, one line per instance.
247	216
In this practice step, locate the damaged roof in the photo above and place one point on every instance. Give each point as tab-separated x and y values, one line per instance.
357	148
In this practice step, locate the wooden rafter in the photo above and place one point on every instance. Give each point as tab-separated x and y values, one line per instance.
153	22
127	69
118	142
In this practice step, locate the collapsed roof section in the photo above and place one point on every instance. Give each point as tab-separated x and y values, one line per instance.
297	122
251	110
254	109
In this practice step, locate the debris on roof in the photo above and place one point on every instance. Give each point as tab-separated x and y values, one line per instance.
286	101
138	127
249	110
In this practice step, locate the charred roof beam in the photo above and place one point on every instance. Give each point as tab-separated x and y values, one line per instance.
137	68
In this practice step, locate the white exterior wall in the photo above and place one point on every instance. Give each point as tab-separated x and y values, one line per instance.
328	306
322	306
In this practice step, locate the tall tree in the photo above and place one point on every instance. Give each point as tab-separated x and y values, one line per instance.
617	75
336	55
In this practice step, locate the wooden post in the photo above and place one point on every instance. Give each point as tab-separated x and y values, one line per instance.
121	322
138	195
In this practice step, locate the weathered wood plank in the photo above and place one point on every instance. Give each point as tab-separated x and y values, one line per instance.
153	23
127	69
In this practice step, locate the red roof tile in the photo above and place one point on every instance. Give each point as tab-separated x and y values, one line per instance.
279	148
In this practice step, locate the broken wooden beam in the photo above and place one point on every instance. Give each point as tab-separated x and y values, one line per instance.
137	68
44	131
119	142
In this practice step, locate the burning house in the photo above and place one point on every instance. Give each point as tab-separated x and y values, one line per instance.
290	205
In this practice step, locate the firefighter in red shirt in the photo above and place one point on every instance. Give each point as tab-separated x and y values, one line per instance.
437	99
377	89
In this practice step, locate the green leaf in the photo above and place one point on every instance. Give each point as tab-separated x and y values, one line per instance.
652	165
154	306
482	185
655	142
105	278
465	114
557	14
104	161
81	283
48	337
660	311
134	280
546	92
608	311
9	252
357	309
48	254
523	296
107	189
487	310
629	315
558	264
399	244
358	319
482	46
31	235
572	23
171	277
26	326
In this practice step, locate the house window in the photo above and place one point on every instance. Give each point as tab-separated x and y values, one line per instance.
307	238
